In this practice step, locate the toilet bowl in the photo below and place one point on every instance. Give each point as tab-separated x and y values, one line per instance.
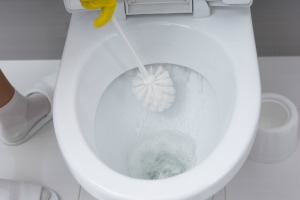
220	48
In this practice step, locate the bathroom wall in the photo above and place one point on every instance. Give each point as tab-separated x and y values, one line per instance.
281	75
32	29
36	29
277	27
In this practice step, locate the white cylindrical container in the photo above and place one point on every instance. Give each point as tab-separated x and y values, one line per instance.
277	134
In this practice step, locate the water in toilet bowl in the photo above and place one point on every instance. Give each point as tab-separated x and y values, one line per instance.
146	145
162	155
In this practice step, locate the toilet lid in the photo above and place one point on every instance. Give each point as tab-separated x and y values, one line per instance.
75	5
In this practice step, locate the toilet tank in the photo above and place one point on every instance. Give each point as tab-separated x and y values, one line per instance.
134	7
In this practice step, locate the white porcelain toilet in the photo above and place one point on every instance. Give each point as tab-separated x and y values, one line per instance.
98	129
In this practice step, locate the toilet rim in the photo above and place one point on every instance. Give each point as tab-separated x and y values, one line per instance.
76	150
225	160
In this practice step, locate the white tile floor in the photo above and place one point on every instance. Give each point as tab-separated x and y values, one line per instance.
40	160
281	181
257	181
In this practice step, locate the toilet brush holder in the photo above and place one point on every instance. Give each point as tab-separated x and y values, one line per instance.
277	134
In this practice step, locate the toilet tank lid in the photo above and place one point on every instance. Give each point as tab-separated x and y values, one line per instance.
75	5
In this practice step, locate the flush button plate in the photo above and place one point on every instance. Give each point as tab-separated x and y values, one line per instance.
134	7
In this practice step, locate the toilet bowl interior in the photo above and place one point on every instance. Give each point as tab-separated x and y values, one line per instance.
155	43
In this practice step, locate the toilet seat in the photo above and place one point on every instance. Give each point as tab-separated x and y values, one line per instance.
74	109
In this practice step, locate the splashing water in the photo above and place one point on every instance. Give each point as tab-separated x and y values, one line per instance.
141	144
162	155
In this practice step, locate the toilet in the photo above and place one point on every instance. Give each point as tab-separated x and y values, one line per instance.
97	130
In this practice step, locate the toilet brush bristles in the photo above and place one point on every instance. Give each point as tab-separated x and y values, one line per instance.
153	88
156	90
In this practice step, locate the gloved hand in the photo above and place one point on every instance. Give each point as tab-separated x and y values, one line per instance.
107	10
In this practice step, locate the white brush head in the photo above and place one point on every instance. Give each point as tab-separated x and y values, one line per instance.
156	92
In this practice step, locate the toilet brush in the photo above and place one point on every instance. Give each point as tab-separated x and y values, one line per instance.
154	88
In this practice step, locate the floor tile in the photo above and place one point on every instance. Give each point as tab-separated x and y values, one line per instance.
84	195
38	160
259	181
220	195
280	181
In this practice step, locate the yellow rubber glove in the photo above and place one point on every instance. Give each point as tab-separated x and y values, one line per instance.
107	10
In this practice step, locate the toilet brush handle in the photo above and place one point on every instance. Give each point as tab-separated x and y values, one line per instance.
118	29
